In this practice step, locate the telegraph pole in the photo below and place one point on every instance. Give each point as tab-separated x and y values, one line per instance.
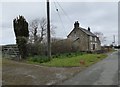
114	38
48	31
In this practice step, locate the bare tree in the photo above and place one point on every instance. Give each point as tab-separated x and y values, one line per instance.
38	30
33	29
101	36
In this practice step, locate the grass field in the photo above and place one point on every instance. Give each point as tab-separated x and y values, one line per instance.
78	60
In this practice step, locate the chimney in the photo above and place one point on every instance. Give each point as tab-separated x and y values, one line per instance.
76	24
88	28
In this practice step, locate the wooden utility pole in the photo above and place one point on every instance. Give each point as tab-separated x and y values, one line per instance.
114	38
48	31
113	43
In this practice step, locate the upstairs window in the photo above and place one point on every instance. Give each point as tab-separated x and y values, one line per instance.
95	39
90	38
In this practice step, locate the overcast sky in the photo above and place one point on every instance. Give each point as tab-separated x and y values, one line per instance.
99	16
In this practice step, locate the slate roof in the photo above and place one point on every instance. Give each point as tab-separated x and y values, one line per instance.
85	31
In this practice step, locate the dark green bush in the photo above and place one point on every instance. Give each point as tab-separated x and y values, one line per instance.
63	46
68	55
43	59
37	49
39	59
20	26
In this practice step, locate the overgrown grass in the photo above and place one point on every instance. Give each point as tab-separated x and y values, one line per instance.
68	59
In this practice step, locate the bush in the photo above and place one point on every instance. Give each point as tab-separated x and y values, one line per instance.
57	48
20	26
39	59
67	55
37	49
63	46
21	42
43	59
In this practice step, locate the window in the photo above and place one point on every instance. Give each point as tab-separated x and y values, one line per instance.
90	38
95	39
96	46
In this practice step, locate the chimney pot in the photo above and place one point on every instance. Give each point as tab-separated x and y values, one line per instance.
76	24
88	28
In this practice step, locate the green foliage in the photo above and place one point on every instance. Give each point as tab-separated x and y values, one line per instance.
22	34
42	59
59	47
22	46
75	60
20	27
39	59
68	55
68	59
63	46
36	49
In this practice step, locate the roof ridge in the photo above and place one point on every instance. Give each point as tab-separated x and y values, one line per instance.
87	32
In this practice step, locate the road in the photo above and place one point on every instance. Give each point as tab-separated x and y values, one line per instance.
104	72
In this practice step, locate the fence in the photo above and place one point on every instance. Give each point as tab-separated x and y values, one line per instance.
10	51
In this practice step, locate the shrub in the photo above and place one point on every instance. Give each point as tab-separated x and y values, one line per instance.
37	49
39	59
67	55
21	32
58	47
63	46
21	42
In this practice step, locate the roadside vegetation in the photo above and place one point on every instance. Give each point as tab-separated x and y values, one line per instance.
68	60
32	45
0	59
0	62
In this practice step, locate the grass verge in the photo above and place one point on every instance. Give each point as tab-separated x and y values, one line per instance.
82	60
73	61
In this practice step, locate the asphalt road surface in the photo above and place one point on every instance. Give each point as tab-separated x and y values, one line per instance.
104	72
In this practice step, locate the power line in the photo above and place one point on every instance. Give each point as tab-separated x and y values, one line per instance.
59	15
56	7
64	11
57	4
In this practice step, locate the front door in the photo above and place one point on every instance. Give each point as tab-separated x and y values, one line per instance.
93	46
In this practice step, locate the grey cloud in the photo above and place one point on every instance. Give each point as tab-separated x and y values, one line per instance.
100	16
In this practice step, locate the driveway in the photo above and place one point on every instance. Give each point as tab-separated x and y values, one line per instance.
104	72
16	73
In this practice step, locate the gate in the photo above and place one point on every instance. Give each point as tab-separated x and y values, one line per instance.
10	51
